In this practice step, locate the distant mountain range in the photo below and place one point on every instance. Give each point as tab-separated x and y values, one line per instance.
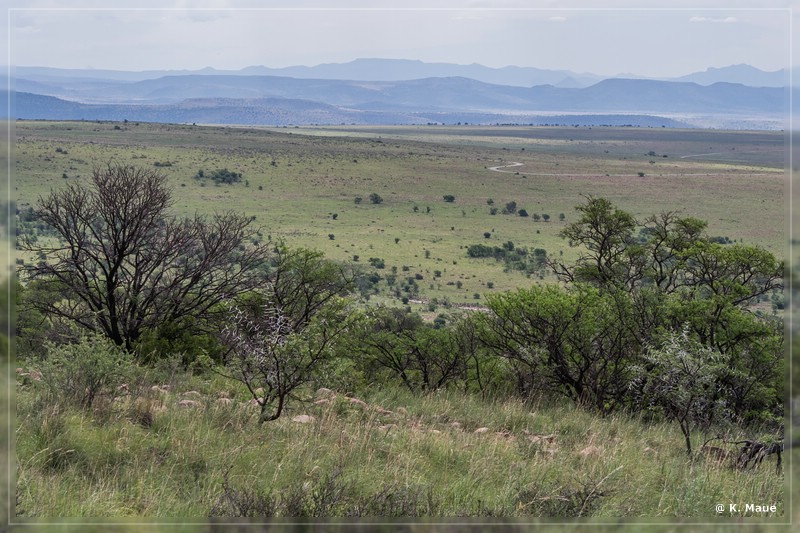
287	111
744	74
370	91
405	69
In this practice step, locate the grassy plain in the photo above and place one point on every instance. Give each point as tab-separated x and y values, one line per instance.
297	179
400	454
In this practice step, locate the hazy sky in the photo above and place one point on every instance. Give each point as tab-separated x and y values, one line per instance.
626	36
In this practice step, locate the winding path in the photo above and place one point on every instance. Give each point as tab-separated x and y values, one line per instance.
512	164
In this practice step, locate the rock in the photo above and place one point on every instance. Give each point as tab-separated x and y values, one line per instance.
36	375
123	389
402	410
322	401
322	391
434	431
590	451
382	411
536	439
224	402
259	391
455	425
356	401
189	403
481	430
192	394
303	419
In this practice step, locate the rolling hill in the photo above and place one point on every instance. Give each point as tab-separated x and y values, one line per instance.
276	100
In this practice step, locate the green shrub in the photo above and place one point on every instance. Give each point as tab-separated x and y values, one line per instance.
219	176
186	338
80	373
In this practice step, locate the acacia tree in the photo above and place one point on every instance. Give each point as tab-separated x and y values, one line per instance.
682	379
125	266
575	341
423	357
272	357
606	232
280	337
676	277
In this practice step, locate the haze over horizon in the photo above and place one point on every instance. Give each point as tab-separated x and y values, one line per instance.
236	34
403	59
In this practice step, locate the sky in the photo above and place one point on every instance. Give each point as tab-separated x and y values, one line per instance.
638	37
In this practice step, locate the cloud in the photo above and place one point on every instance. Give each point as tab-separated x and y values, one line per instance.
711	19
558	19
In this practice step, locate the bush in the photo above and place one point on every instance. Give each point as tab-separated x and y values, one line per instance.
218	176
482	250
375	198
449	198
679	378
80	373
187	340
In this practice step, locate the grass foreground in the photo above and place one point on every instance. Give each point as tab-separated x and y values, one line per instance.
192	448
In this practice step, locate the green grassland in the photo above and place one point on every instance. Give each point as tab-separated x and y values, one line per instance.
297	179
389	454
141	453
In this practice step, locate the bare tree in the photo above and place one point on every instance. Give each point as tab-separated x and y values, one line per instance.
124	265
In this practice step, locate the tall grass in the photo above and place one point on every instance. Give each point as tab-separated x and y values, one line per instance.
400	455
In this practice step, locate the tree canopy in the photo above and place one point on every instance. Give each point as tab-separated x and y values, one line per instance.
124	265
